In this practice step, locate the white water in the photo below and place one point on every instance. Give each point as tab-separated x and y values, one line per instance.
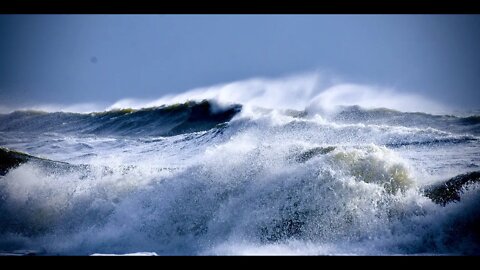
246	189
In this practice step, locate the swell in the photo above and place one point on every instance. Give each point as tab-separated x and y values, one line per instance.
170	120
194	116
450	123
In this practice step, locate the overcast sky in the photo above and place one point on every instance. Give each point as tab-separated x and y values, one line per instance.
71	59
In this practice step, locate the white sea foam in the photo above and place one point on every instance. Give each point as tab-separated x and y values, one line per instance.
244	192
268	182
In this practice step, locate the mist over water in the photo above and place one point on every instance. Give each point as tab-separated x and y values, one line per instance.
295	165
307	90
312	90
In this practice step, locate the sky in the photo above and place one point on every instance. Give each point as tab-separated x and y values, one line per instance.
70	59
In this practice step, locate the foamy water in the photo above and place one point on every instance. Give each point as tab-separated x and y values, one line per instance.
342	181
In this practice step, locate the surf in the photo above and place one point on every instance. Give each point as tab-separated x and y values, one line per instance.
209	177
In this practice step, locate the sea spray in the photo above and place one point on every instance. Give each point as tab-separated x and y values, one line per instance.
269	181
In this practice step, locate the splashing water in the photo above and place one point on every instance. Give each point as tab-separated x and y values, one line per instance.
255	178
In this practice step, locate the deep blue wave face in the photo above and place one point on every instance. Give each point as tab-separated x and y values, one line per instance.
159	121
199	178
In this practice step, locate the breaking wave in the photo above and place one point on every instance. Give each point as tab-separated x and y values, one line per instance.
217	177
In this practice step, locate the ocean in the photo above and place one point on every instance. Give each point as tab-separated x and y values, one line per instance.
208	178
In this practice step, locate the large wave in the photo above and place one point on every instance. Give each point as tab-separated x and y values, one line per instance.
315	91
194	116
241	174
157	121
